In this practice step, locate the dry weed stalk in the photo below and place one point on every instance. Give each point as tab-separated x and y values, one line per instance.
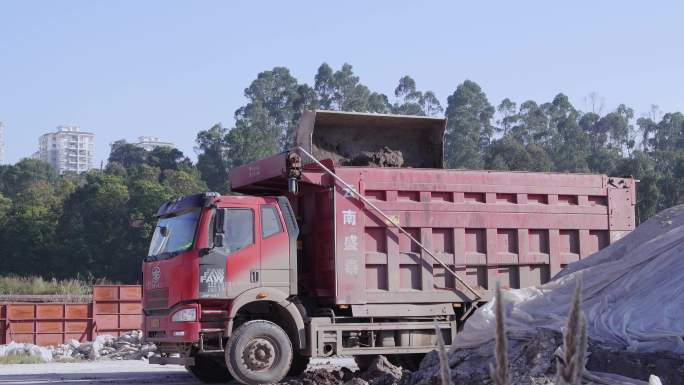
499	371
569	370
444	370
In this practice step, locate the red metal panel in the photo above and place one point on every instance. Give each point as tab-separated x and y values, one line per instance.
117	309
49	339
349	244
516	228
105	293
130	293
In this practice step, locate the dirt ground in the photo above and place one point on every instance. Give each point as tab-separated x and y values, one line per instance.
115	373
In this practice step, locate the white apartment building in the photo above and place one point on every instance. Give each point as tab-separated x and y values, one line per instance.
150	142
67	150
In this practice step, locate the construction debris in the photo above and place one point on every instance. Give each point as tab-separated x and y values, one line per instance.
126	347
18	349
380	372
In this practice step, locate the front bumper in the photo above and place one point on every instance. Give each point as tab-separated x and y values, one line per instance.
159	327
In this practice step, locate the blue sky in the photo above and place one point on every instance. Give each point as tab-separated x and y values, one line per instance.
171	68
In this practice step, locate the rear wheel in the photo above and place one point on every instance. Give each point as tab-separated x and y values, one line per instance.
210	369
259	352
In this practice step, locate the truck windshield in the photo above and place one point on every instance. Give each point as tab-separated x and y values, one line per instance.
173	235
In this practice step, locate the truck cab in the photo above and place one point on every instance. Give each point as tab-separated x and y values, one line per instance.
209	257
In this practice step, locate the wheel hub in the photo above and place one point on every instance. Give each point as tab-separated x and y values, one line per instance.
259	354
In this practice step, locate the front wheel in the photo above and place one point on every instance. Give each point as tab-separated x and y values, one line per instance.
259	352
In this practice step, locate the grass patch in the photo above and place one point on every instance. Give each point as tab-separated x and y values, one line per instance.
14	285
20	359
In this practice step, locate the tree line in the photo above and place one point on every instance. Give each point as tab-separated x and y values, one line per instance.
98	224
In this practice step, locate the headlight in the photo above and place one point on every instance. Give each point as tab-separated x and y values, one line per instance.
185	315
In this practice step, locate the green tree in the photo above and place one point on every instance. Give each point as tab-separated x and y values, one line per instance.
532	124
413	102
342	91
168	158
469	128
94	230
274	105
182	183
568	140
508	116
19	177
212	160
127	154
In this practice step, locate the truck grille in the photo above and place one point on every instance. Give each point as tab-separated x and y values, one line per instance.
157	298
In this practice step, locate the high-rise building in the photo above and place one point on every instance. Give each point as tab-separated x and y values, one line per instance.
68	149
2	142
150	142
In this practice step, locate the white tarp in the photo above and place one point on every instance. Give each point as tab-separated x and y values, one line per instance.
632	293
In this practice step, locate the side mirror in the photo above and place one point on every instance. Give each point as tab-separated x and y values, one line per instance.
163	231
218	240
219	220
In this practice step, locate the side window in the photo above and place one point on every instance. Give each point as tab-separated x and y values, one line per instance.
270	222
238	226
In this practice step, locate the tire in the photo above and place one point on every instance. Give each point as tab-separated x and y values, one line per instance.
299	364
259	352
210	369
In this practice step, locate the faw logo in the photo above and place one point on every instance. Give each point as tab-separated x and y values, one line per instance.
212	276
156	276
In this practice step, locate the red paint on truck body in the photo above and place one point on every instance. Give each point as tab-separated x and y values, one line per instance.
519	228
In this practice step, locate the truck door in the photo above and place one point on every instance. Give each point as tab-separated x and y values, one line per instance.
239	254
275	248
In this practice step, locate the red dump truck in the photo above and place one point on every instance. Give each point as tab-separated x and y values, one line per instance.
358	243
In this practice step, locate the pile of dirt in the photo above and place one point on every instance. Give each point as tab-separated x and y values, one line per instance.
380	372
385	157
317	376
668	366
532	361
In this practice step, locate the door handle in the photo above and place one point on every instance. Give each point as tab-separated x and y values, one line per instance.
254	276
